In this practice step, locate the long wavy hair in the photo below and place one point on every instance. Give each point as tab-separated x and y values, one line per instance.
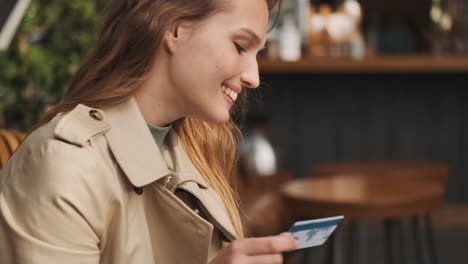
120	62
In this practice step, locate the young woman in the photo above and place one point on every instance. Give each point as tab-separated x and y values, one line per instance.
134	164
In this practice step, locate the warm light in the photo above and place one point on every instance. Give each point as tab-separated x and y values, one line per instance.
317	23
353	9
436	13
264	157
446	22
340	27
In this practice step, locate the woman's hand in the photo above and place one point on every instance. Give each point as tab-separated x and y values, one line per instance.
262	250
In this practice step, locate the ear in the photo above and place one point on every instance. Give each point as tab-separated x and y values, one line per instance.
170	40
174	36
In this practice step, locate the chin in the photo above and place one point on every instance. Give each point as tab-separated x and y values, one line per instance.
215	114
218	119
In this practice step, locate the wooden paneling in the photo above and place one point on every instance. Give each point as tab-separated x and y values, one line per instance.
315	119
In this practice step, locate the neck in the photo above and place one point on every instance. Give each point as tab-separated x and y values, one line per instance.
156	99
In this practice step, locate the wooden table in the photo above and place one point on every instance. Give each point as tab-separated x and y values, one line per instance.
433	171
362	197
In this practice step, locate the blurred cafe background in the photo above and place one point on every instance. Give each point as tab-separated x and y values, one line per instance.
362	112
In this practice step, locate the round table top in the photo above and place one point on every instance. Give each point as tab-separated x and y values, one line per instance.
409	170
360	196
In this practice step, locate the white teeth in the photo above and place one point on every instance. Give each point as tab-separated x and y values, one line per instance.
234	96
230	93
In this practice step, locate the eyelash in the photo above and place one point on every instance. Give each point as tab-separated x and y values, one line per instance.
239	48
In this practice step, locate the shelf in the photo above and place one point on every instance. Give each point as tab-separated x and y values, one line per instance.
378	64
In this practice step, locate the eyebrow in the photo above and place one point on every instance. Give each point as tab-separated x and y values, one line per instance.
253	35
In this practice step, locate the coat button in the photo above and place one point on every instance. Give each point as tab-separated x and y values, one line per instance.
96	115
138	190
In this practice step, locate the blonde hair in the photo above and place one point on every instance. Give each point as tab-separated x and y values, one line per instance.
120	62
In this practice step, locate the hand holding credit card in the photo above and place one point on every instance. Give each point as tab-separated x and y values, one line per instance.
315	232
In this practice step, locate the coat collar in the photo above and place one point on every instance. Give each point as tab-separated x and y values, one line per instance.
180	162
188	175
133	145
138	155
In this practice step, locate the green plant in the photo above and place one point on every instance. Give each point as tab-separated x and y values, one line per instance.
53	38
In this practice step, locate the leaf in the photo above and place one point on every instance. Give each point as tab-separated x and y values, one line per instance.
68	30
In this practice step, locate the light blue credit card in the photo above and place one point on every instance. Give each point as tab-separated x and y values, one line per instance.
311	233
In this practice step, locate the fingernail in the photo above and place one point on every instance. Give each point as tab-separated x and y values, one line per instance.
293	239
296	243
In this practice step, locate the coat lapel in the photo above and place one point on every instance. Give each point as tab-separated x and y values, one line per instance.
133	145
192	181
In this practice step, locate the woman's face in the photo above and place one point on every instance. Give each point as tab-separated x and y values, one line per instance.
210	62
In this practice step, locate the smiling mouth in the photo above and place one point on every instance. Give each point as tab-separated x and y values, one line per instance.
233	95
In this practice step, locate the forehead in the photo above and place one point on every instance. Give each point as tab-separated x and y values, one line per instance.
250	8
250	14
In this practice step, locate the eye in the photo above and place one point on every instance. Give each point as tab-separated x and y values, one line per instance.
239	48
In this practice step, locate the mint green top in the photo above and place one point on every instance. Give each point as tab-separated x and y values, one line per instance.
159	134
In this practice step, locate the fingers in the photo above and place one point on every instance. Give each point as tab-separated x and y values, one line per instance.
265	245
263	250
266	259
286	234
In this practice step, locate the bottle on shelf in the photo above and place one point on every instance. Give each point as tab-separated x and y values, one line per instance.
290	40
340	27
319	38
357	44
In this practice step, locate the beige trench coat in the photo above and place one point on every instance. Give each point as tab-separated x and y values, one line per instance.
91	186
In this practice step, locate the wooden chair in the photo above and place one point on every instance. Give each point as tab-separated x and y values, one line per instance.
9	142
262	204
262	209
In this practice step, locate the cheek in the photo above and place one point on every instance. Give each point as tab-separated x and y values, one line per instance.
206	63
216	67
227	65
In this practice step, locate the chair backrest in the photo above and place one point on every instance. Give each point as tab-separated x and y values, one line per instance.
9	142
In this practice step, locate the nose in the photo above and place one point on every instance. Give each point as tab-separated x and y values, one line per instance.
250	77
